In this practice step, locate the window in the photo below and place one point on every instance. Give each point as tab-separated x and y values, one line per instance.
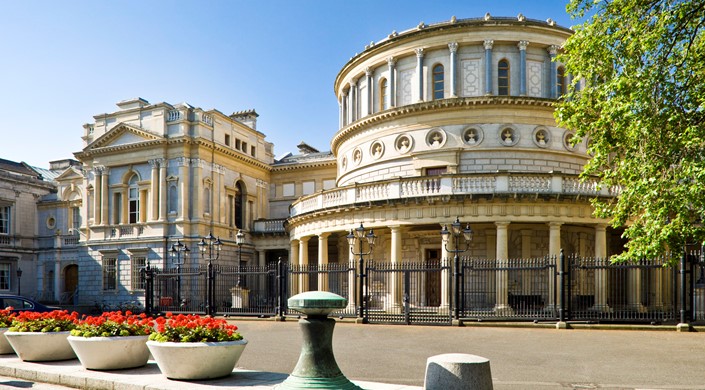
328	184
383	94
288	189
438	82
244	146
4	276
5	220
237	144
117	210
109	274
231	210
239	206
435	171
309	187
75	217
207	200
133	200
227	139
503	78
252	151
173	199
560	81
138	264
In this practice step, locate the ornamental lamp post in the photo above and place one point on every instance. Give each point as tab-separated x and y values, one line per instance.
210	244
357	236
456	231
19	281
176	251
239	240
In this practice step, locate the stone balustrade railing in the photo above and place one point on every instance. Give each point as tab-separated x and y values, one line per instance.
475	184
269	226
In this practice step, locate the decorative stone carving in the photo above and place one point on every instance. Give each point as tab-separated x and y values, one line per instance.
471	78
357	156
453	47
344	163
568	140
488	43
377	150
552	50
473	135
521	17
419	52
403	143
453	19
391	62
534	72
508	136
405	86
541	137
488	16
522	45
436	138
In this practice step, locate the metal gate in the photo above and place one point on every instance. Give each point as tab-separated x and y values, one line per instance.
408	293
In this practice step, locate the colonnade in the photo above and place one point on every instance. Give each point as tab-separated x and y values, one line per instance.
350	100
497	238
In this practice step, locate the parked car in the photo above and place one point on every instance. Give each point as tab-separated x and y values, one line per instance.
20	303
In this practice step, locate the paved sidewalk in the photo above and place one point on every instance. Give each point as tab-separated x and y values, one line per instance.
70	374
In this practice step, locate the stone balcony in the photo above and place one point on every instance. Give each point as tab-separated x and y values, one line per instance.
500	183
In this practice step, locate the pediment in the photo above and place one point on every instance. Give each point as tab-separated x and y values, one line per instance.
70	174
123	135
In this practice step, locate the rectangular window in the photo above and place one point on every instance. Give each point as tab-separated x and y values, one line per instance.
288	189
435	171
4	276
5	220
109	274
237	143
134	205
252	151
244	146
227	139
138	264
75	217
328	184
309	187
231	210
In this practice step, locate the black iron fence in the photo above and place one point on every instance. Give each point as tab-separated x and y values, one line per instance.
541	289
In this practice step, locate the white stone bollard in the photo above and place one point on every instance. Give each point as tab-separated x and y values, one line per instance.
458	371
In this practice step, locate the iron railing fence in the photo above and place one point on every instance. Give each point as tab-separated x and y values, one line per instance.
408	292
567	288
338	278
508	289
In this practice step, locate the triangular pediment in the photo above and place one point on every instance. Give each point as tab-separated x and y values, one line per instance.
69	174
123	135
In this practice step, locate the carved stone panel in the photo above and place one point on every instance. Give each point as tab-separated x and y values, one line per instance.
405	87
534	75
472	82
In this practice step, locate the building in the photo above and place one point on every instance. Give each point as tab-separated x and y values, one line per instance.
443	121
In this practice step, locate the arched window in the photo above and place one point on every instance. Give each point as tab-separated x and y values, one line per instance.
173	199
438	82
560	81
503	78
239	206
133	200
207	200
383	94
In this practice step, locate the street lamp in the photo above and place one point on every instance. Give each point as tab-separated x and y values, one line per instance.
19	281
357	236
176	250
239	240
456	231
210	244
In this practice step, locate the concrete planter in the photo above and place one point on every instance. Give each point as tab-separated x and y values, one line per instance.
192	361
5	347
41	347
110	353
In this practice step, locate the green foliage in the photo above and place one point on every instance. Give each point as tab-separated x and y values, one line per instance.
642	111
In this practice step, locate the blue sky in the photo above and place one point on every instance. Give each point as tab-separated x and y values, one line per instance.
63	62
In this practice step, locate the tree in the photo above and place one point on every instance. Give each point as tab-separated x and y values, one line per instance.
642	111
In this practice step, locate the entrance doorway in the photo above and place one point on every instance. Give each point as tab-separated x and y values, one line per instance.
70	282
433	279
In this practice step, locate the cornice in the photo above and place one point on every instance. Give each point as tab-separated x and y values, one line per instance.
436	106
294	166
231	153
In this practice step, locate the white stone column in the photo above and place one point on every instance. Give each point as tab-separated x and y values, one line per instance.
104	194
154	191
163	190
600	273
554	251
453	48
262	258
488	66
97	196
395	298
303	262
352	280
294	261
502	287
344	109
419	73
353	101
391	64
185	184
522	66
370	91
323	261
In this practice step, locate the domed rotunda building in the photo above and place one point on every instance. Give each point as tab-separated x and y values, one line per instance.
447	121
